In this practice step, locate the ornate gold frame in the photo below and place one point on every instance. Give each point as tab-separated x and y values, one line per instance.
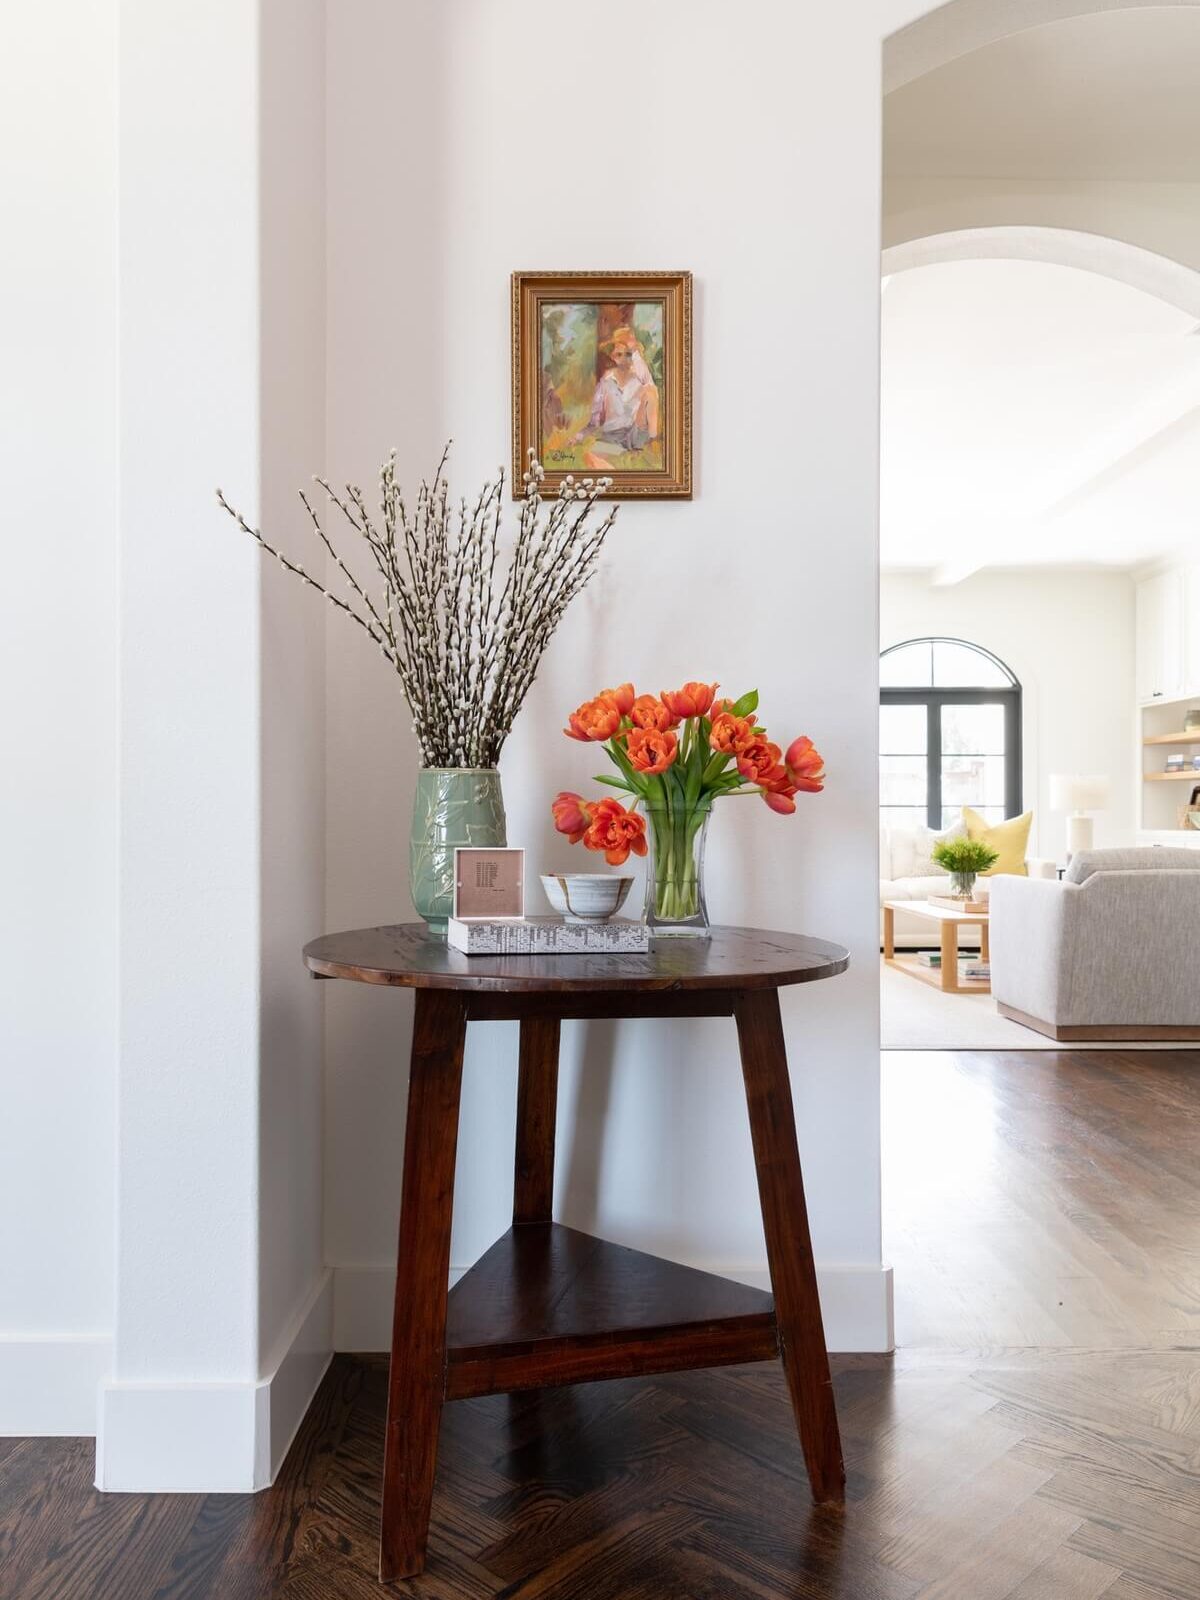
674	289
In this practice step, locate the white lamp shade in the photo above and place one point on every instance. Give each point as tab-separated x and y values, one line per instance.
1071	792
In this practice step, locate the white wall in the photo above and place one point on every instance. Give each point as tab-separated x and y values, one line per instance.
58	694
1069	638
221	1329
291	1272
766	578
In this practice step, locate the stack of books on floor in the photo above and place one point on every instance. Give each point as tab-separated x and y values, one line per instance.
546	936
968	966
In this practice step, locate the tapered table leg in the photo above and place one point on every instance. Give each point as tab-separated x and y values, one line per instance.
789	1245
537	1109
416	1381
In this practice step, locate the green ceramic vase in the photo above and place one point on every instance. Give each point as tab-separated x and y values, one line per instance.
453	806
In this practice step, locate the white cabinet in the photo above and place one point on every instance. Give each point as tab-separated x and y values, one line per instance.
1161	608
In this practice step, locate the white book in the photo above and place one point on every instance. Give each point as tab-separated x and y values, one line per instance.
547	936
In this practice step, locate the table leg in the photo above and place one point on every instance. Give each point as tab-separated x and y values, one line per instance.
950	957
416	1380
889	934
985	942
537	1106
789	1245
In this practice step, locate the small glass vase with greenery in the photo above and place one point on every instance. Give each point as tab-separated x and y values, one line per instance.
964	860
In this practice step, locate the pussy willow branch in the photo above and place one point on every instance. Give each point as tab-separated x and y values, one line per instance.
463	622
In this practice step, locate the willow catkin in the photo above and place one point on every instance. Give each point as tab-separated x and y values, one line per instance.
462	622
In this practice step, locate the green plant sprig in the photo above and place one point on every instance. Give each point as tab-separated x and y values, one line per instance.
965	855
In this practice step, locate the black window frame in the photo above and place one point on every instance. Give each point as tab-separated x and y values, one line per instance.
934	699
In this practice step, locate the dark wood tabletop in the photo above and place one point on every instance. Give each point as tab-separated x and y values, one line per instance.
733	958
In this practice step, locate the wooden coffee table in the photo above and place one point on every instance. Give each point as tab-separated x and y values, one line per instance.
949	922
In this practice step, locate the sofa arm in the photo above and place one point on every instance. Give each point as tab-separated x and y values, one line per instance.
1041	867
1029	925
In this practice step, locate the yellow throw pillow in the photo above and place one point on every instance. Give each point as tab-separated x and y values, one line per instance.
1010	839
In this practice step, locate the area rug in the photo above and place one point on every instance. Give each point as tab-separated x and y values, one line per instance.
917	1017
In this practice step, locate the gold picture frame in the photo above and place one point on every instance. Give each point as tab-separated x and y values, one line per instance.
602	380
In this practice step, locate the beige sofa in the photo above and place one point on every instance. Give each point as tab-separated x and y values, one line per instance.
907	871
1111	952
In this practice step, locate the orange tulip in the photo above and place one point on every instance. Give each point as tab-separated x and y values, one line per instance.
759	761
805	765
647	712
719	706
595	720
649	750
615	831
622	698
693	700
572	815
731	735
780	799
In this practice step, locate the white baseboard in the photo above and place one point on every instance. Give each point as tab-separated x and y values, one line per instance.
51	1387
215	1438
856	1304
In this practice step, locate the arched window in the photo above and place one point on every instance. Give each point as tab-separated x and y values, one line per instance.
949	734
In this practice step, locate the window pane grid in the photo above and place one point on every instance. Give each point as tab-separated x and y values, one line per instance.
949	734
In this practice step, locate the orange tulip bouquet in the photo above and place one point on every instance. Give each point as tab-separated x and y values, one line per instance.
676	753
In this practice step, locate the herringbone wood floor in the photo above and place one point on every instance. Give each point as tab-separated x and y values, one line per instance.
1067	1469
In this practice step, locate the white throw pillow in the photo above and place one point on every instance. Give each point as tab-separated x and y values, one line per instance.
923	842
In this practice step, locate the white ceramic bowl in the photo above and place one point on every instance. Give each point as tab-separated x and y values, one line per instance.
585	896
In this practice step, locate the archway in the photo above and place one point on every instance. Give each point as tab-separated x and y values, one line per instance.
1154	274
961	26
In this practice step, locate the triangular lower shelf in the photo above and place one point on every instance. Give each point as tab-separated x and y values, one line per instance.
548	1304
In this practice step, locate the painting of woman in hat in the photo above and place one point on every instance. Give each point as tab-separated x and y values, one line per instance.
624	412
602	396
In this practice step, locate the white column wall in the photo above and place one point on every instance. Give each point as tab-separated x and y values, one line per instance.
58	710
221	1328
750	154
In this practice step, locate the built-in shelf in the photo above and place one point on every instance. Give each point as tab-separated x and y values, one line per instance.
1173	777
1191	737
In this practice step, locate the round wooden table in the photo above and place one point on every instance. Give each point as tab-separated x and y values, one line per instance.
547	1304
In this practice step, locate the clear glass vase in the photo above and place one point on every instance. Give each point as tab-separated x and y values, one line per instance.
675	870
962	885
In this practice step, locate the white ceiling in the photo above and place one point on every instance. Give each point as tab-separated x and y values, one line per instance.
1035	414
1110	95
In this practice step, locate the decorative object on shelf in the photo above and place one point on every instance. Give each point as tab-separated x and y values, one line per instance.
676	754
549	936
964	860
489	884
602	378
1078	795
1189	815
1176	761
463	616
585	896
1191	720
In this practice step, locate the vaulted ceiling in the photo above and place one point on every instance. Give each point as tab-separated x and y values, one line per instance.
1035	414
1110	95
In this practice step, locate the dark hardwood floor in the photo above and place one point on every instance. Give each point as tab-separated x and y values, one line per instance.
1036	1437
